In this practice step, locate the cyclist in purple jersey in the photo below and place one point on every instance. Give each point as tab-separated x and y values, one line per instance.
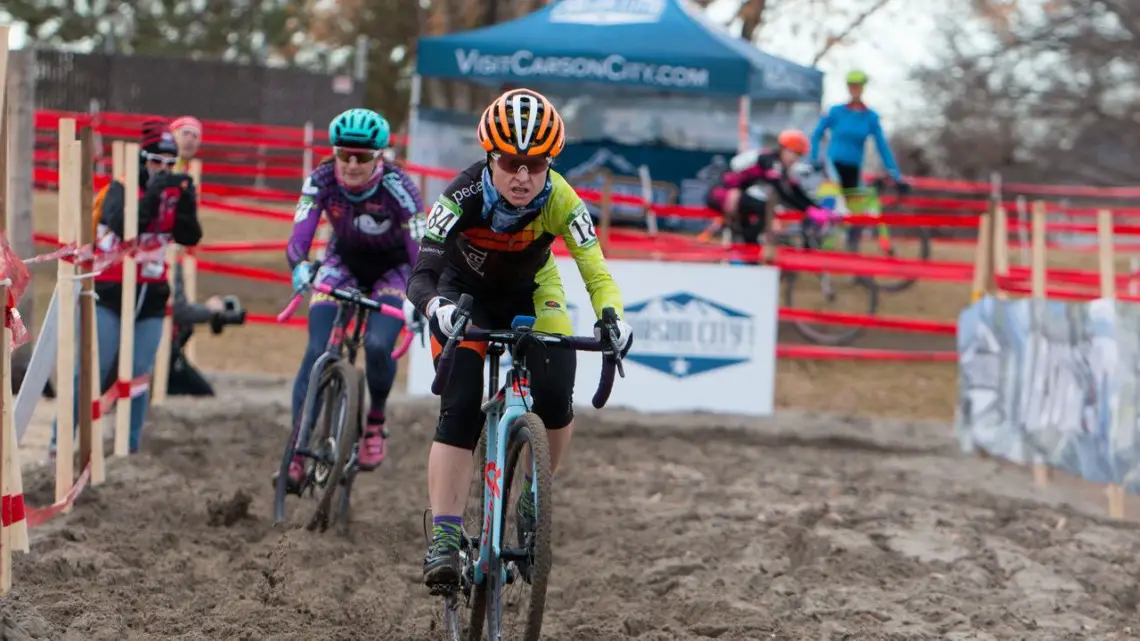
369	206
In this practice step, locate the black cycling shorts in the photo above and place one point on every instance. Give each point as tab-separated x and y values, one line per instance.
849	175
552	370
753	213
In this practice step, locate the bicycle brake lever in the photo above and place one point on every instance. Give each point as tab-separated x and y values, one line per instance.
613	346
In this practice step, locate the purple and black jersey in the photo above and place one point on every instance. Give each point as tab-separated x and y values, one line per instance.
371	246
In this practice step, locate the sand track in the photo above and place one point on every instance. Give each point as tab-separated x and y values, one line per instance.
667	528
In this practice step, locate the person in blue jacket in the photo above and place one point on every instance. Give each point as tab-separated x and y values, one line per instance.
850	125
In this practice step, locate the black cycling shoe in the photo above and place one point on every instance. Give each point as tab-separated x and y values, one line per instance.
441	567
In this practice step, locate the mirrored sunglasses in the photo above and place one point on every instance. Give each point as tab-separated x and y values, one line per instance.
361	155
512	164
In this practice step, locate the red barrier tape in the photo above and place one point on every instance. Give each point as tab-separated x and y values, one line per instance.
813	352
247	210
821	352
264	319
253	135
37	516
240	247
14	509
793	315
243	271
49	119
120	390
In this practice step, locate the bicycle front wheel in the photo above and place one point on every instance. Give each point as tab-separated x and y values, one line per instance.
516	599
337	433
836	293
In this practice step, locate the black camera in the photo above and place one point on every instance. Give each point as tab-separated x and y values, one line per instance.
231	314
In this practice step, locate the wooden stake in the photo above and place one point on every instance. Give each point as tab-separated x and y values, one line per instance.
90	430
127	308
1107	258
1038	270
69	222
983	257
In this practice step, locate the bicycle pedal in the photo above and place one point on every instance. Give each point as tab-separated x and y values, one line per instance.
449	591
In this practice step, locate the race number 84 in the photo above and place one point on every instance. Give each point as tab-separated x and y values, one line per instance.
440	221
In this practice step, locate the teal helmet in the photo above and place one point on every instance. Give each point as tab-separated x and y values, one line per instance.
361	129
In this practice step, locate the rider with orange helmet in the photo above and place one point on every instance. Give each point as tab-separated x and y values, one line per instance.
747	213
489	235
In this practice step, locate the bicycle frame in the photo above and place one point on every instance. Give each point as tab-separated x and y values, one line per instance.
503	407
335	349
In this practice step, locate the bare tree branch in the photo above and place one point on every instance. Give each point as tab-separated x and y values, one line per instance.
851	27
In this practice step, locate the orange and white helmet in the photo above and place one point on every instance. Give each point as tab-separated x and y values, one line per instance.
522	122
794	140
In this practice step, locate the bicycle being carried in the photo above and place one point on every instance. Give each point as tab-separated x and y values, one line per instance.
336	397
488	561
867	201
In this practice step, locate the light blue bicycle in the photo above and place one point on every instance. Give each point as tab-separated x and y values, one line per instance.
488	565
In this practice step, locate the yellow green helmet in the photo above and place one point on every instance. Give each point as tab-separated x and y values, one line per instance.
856	77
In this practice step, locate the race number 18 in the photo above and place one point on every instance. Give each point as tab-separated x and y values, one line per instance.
582	228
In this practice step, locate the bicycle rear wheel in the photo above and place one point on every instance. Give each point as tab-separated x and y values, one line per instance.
337	433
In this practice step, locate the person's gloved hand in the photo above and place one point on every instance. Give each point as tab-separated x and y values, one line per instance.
302	275
623	330
164	190
820	216
817	165
441	313
412	319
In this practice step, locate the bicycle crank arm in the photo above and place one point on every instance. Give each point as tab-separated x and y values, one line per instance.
316	457
514	554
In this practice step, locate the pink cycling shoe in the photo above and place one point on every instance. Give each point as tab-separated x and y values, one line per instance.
296	476
373	445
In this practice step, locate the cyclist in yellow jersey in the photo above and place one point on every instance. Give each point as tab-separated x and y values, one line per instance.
489	235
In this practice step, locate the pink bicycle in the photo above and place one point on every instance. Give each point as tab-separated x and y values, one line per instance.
332	417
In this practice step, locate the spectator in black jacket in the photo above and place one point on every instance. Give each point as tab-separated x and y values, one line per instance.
167	212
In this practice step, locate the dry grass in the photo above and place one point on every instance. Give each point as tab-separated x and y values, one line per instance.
903	390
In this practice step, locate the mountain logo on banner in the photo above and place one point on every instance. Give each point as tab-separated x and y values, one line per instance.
684	335
603	13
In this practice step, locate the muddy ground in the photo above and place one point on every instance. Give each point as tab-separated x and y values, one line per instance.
667	528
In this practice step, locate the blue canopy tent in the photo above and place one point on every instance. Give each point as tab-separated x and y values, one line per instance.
654	44
608	47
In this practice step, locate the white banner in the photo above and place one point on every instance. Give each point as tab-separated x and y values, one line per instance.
704	338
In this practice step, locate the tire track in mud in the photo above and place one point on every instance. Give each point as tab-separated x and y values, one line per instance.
681	527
